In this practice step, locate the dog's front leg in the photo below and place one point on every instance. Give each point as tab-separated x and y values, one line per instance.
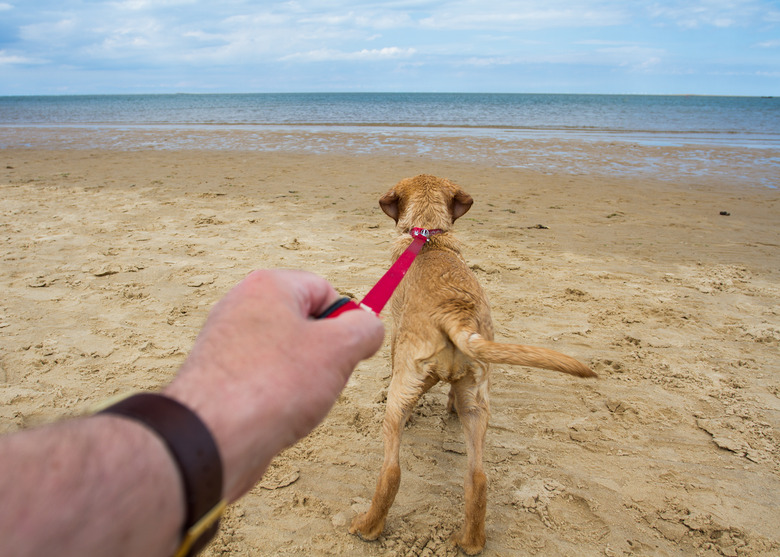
402	397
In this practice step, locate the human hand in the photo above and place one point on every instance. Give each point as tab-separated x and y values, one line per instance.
263	373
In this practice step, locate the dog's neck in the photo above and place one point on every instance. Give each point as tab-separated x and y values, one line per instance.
441	240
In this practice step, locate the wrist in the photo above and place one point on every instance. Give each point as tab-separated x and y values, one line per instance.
192	449
238	426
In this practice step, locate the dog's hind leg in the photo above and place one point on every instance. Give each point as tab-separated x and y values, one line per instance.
473	407
404	392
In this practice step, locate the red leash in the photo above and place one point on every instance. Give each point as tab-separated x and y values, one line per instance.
379	295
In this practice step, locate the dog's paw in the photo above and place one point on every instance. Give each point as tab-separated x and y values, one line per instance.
368	529
470	545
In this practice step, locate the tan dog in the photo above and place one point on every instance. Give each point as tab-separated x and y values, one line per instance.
442	332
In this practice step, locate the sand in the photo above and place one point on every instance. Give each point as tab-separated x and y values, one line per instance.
112	259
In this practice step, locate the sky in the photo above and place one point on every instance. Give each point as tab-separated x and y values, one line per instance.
704	47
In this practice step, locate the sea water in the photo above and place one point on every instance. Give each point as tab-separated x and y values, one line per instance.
740	121
502	129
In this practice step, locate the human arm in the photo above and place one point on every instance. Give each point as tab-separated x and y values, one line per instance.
261	375
88	487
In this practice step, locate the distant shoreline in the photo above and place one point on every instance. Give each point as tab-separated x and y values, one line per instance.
247	93
540	151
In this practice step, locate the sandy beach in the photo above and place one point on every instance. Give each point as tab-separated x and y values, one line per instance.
111	260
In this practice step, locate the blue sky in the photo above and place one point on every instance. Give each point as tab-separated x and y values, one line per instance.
709	47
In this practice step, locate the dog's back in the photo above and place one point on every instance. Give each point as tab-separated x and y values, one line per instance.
440	293
438	297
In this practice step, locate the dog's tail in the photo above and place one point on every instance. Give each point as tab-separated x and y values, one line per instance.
474	346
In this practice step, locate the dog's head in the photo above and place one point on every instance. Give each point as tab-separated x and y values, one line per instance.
425	201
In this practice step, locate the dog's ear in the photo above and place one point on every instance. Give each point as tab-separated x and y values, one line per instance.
460	205
389	204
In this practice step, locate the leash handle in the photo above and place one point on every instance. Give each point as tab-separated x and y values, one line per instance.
338	307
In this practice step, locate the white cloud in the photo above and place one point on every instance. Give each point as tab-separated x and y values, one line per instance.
645	65
369	19
138	5
323	55
48	31
706	13
197	40
488	61
601	42
487	17
7	59
605	54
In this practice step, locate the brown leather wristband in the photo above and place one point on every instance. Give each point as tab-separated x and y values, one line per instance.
195	453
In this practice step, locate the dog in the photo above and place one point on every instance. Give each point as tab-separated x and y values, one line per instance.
442	332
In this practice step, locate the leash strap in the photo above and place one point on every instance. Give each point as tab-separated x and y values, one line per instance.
379	295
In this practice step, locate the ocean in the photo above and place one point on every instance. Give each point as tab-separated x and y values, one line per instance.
503	129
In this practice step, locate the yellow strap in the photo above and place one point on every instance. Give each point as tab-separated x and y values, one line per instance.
103	404
199	528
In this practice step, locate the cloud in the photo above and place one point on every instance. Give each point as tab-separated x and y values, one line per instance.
602	53
489	61
48	32
645	65
710	13
325	55
7	59
284	43
138	5
528	16
365	18
601	42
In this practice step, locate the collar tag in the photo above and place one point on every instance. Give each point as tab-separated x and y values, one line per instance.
424	232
